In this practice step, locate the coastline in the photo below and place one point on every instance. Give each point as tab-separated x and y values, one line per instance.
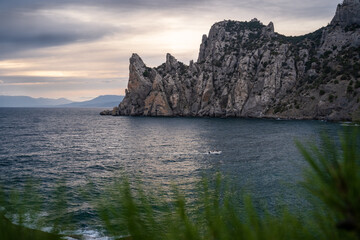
115	113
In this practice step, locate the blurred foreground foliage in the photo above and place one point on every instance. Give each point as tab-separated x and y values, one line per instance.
215	211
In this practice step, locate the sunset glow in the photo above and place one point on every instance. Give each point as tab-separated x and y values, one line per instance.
88	45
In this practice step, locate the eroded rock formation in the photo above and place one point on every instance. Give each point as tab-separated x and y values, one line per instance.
245	69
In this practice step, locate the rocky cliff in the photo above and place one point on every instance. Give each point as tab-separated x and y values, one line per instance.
245	69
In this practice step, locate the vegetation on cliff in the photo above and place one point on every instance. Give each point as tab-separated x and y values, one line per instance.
246	69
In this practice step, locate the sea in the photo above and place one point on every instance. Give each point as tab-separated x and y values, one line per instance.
80	145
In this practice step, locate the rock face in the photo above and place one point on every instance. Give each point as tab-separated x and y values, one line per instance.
347	13
245	69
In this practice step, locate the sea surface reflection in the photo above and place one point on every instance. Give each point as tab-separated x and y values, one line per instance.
79	144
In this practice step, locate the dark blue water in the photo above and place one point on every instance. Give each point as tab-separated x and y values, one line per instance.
79	144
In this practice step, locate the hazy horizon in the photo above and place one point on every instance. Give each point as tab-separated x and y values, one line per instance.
80	49
18	97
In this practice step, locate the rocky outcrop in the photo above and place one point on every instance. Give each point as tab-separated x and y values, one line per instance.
347	13
114	112
245	69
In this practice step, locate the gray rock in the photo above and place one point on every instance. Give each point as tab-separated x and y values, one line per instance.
245	69
105	112
347	13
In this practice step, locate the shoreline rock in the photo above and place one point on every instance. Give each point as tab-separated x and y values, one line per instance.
114	112
246	69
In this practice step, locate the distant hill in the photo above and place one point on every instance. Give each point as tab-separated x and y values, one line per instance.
107	101
24	101
101	101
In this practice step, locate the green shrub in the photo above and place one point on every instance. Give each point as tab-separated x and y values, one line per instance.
217	213
25	205
147	72
129	209
334	179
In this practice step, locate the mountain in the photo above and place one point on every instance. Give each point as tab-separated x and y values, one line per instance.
24	101
246	69
101	101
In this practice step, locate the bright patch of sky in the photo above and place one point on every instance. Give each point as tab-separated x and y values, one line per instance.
80	49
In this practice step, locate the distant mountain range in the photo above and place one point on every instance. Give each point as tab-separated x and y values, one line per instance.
24	101
101	101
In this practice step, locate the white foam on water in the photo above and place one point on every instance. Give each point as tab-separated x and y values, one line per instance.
88	234
215	152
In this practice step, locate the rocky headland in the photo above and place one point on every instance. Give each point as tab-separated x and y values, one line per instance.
246	69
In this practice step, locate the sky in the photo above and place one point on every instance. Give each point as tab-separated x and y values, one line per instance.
80	49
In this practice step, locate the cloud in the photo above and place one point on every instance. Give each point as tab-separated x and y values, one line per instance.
290	5
124	4
34	24
81	47
287	7
20	31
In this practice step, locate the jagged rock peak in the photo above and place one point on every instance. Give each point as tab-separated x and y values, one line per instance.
204	37
347	13
226	31
351	1
202	49
269	30
270	27
171	62
245	69
136	59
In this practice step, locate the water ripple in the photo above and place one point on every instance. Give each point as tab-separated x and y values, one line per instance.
79	144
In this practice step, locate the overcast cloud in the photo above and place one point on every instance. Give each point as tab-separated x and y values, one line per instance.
86	43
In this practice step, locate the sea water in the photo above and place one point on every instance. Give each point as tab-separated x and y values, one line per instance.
79	145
